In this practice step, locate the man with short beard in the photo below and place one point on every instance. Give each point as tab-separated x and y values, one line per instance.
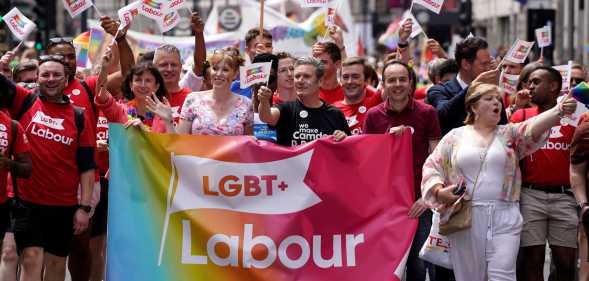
547	205
401	113
358	98
308	117
62	144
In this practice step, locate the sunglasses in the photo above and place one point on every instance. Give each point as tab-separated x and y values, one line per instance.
229	52
54	58
61	40
577	80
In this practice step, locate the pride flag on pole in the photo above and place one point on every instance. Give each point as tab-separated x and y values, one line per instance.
82	45
128	13
19	25
544	36
76	7
519	51
234	208
153	9
254	73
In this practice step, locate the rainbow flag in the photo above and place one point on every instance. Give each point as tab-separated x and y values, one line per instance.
390	38
234	208
96	40
153	4
82	44
581	93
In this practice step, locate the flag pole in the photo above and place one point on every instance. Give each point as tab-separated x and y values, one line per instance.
261	18
18	46
97	11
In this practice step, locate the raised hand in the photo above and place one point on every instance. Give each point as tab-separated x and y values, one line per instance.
405	31
109	25
436	48
160	108
196	23
6	59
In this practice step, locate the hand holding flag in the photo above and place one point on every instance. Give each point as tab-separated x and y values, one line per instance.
568	105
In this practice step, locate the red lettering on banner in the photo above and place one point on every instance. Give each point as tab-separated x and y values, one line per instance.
151	11
430	2
78	5
175	3
255	77
231	185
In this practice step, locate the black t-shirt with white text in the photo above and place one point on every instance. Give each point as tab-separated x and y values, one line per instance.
299	124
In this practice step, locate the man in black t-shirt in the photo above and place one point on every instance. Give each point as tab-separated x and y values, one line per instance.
308	117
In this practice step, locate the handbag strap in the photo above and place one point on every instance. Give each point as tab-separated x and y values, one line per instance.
483	162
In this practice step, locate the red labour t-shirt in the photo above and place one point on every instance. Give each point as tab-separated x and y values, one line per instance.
550	164
102	134
19	145
332	96
423	120
356	113
78	96
53	138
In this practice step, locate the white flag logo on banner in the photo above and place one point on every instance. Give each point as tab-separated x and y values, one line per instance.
432	5
76	7
544	36
169	21
519	51
128	13
565	71
231	186
254	73
20	25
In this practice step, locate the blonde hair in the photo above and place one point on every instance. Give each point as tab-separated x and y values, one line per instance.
475	92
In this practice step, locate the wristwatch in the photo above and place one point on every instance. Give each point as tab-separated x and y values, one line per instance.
85	208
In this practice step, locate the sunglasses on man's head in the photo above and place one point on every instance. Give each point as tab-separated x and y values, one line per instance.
46	58
577	80
61	40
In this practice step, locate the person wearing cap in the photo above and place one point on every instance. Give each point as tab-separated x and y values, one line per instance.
308	117
62	143
401	113
484	157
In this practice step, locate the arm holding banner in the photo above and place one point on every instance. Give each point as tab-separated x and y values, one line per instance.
268	114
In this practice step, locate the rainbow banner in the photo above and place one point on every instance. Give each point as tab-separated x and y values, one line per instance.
233	208
82	45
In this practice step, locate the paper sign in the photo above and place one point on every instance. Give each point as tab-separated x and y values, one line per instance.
432	5
314	3
153	9
76	7
519	51
20	25
128	13
565	71
169	21
415	27
508	82
254	73
544	36
177	4
330	19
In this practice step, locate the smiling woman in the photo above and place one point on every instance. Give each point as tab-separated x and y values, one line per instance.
214	112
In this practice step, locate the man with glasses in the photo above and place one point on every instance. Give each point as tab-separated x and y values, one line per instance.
62	151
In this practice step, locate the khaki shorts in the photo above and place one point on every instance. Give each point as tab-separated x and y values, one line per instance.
548	217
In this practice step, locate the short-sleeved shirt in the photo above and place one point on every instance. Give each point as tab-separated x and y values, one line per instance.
177	101
423	122
54	140
299	124
197	110
10	142
356	113
553	156
333	95
102	134
580	144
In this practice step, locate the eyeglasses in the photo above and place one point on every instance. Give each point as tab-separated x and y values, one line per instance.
229	52
55	58
61	40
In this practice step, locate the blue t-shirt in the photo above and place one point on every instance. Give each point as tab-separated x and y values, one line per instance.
235	88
